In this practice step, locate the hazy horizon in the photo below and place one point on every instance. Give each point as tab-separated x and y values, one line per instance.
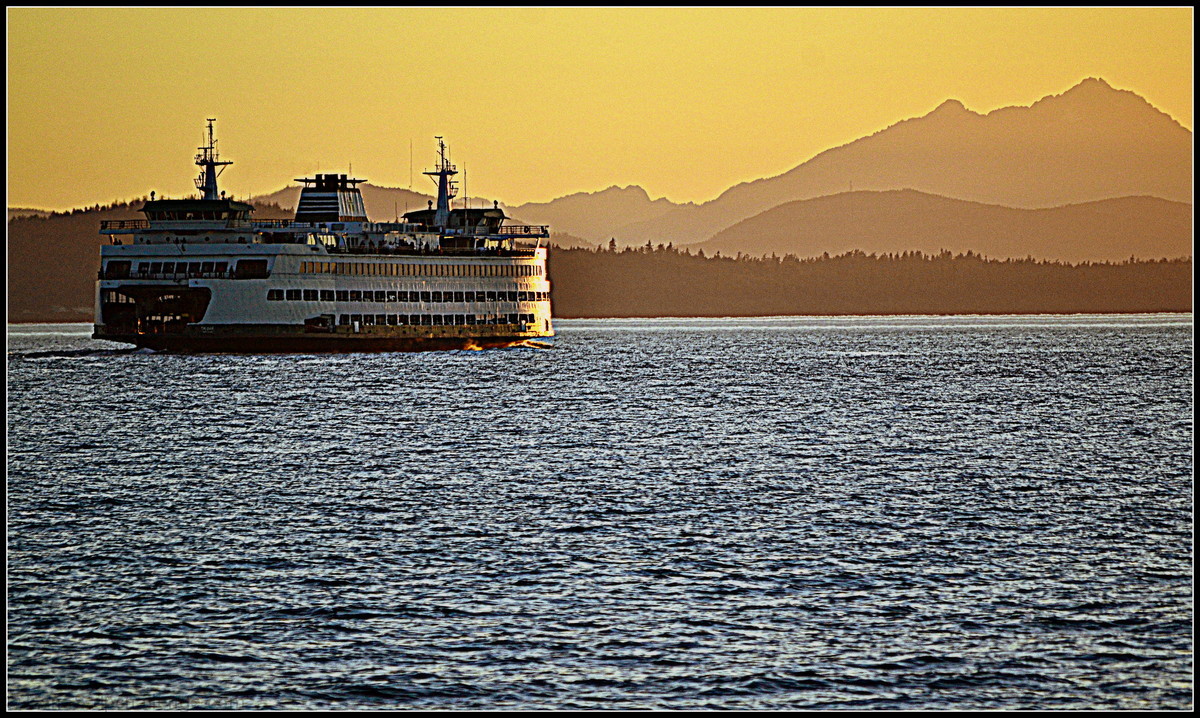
684	103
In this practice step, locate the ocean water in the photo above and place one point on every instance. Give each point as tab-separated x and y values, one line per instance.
784	513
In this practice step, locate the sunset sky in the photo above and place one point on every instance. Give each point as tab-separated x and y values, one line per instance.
108	104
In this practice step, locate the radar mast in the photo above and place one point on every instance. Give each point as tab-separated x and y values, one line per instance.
208	162
447	189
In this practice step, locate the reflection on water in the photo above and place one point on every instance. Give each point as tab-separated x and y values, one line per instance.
869	512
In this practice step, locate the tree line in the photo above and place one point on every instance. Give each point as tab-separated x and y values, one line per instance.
53	262
664	280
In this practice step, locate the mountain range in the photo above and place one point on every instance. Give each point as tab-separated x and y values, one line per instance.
890	221
1090	143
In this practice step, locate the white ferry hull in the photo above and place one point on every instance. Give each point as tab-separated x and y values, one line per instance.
310	301
266	339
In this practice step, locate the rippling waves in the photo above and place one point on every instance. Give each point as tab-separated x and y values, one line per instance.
905	513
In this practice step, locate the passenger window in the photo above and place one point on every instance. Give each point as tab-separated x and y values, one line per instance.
244	269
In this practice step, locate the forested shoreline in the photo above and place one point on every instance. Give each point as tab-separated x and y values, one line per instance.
664	281
52	264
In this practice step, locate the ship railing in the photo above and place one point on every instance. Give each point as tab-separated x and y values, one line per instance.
116	225
227	274
283	224
407	227
441	252
109	224
524	230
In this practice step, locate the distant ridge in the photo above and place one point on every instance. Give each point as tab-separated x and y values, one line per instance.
897	221
595	216
1089	143
53	261
14	212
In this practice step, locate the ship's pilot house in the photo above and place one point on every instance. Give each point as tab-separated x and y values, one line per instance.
190	210
474	221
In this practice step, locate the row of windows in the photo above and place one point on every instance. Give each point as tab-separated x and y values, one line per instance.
243	269
391	269
355	295
189	268
194	215
118	298
436	320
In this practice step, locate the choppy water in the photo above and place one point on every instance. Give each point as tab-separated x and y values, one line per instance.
779	513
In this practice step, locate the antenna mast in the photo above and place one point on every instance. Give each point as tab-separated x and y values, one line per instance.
208	162
447	188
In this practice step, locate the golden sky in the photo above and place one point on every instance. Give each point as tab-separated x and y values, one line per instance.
108	104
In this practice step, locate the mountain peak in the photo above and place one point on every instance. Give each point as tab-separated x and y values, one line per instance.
1093	95
951	105
951	109
633	190
1095	89
1092	83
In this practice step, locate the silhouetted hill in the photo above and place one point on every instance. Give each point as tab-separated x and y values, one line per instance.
570	241
665	282
14	212
1089	143
586	219
595	216
904	220
53	262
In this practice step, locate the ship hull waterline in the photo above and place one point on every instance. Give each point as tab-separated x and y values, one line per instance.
319	343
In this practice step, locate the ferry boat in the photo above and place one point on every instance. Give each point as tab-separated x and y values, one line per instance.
201	275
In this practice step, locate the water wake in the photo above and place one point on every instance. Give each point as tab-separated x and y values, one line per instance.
79	353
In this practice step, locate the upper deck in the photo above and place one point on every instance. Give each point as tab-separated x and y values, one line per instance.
291	226
331	214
